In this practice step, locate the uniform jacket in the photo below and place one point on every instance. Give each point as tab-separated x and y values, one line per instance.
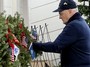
73	43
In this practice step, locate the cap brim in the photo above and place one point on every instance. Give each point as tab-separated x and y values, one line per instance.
58	10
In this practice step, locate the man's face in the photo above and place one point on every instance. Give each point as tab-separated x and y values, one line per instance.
64	15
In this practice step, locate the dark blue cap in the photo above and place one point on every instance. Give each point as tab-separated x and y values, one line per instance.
65	4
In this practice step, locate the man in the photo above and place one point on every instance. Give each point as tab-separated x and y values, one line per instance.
74	41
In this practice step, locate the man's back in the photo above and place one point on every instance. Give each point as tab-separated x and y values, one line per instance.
77	54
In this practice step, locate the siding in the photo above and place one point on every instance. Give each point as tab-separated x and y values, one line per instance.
41	12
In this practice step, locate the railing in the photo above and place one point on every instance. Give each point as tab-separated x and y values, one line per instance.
46	59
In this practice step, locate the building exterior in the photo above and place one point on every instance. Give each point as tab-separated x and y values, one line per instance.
38	13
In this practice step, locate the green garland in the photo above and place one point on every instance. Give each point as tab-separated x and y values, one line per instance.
85	10
16	26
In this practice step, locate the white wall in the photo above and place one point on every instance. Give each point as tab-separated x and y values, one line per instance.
12	6
1	6
41	12
9	6
22	8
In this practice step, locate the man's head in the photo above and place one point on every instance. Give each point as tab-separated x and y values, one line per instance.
65	15
66	9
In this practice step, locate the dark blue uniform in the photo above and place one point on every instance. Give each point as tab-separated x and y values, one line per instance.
73	43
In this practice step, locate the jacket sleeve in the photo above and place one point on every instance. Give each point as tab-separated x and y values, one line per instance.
66	38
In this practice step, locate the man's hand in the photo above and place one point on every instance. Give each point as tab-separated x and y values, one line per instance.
33	37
